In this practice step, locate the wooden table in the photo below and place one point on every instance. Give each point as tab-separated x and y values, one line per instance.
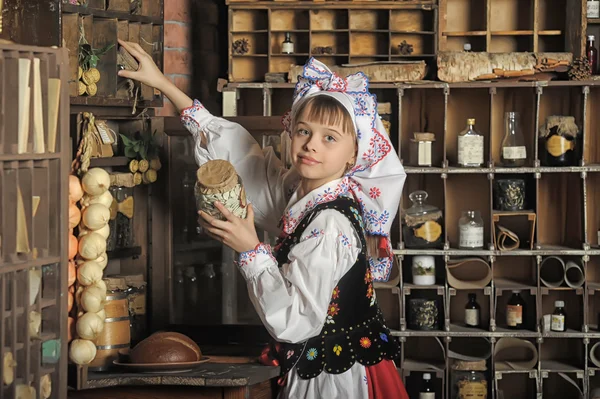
209	381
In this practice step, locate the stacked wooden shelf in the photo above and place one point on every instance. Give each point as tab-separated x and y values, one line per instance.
355	32
33	253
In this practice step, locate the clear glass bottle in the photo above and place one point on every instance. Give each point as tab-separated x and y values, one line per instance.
287	47
515	311
470	146
470	228
559	317
422	223
472	312
427	391
513	151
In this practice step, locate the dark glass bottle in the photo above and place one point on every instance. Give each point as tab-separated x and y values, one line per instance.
592	53
515	311
559	317
287	47
427	390
472	312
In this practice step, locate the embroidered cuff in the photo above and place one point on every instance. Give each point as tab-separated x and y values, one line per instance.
251	263
194	117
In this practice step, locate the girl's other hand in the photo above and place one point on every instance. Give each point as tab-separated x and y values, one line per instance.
238	234
147	73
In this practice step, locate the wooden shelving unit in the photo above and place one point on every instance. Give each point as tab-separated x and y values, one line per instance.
566	225
355	32
33	250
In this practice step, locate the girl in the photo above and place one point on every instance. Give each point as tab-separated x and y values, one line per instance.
314	291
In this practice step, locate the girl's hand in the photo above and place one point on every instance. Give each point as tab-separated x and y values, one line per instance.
147	73
238	234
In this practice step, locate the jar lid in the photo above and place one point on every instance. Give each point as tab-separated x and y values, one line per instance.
217	174
419	206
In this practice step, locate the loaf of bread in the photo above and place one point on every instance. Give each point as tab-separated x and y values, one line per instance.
165	347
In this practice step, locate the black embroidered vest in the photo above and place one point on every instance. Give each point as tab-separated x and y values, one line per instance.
354	328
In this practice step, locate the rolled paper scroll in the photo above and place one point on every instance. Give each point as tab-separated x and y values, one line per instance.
552	271
595	354
468	273
515	354
478	349
506	240
574	274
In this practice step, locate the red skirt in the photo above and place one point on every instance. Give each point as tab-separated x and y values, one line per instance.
385	382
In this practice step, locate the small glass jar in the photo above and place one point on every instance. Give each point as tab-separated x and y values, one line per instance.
423	314
470	228
559	317
469	380
423	270
422	223
559	142
421	147
509	194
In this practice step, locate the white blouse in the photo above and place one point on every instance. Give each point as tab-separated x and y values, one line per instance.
292	301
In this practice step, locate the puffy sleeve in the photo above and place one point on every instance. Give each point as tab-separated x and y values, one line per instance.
267	182
292	301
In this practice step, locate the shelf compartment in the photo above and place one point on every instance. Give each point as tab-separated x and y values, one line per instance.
551	43
520	100
562	355
249	69
462	105
509	15
530	314
573	299
520	223
591	152
559	210
552	14
301	43
515	385
423	354
282	63
412	20
594	382
328	20
458	301
369	44
465	15
413	381
456	43
337	41
422	44
467	192
433	185
416	117
248	20
516	272
440	273
289	20
424	298
389	302
369	20
257	42
511	43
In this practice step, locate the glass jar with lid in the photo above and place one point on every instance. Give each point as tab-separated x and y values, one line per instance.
469	380
470	228
422	223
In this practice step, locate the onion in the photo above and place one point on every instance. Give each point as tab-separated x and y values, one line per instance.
88	273
91	246
82	351
9	364
70	300
70	329
75	190
96	181
102	314
78	296
46	387
93	299
72	246
72	273
105	199
102	285
74	215
102	260
96	216
89	326
25	392
104	231
35	322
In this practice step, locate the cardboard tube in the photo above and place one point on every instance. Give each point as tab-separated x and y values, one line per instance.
477	349
552	271
595	354
468	273
572	382
515	354
574	274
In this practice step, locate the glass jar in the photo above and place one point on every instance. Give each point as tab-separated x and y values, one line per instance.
559	142
470	146
421	149
469	380
422	223
121	219
470	228
423	270
423	314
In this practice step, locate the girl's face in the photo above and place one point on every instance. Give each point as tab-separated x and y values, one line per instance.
321	152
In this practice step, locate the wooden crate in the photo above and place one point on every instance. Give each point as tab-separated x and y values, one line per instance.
355	32
34	166
513	25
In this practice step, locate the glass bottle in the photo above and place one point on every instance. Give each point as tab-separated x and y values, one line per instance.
512	150
559	317
593	9
472	312
515	311
467	47
470	146
422	223
470	228
427	390
592	53
287	47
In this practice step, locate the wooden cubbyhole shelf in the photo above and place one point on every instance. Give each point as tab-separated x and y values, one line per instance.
457	299
574	307
423	354
429	292
501	298
554	386
521	385
515	273
413	380
565	355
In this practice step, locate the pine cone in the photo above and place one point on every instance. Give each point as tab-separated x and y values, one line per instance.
580	69
405	48
241	46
